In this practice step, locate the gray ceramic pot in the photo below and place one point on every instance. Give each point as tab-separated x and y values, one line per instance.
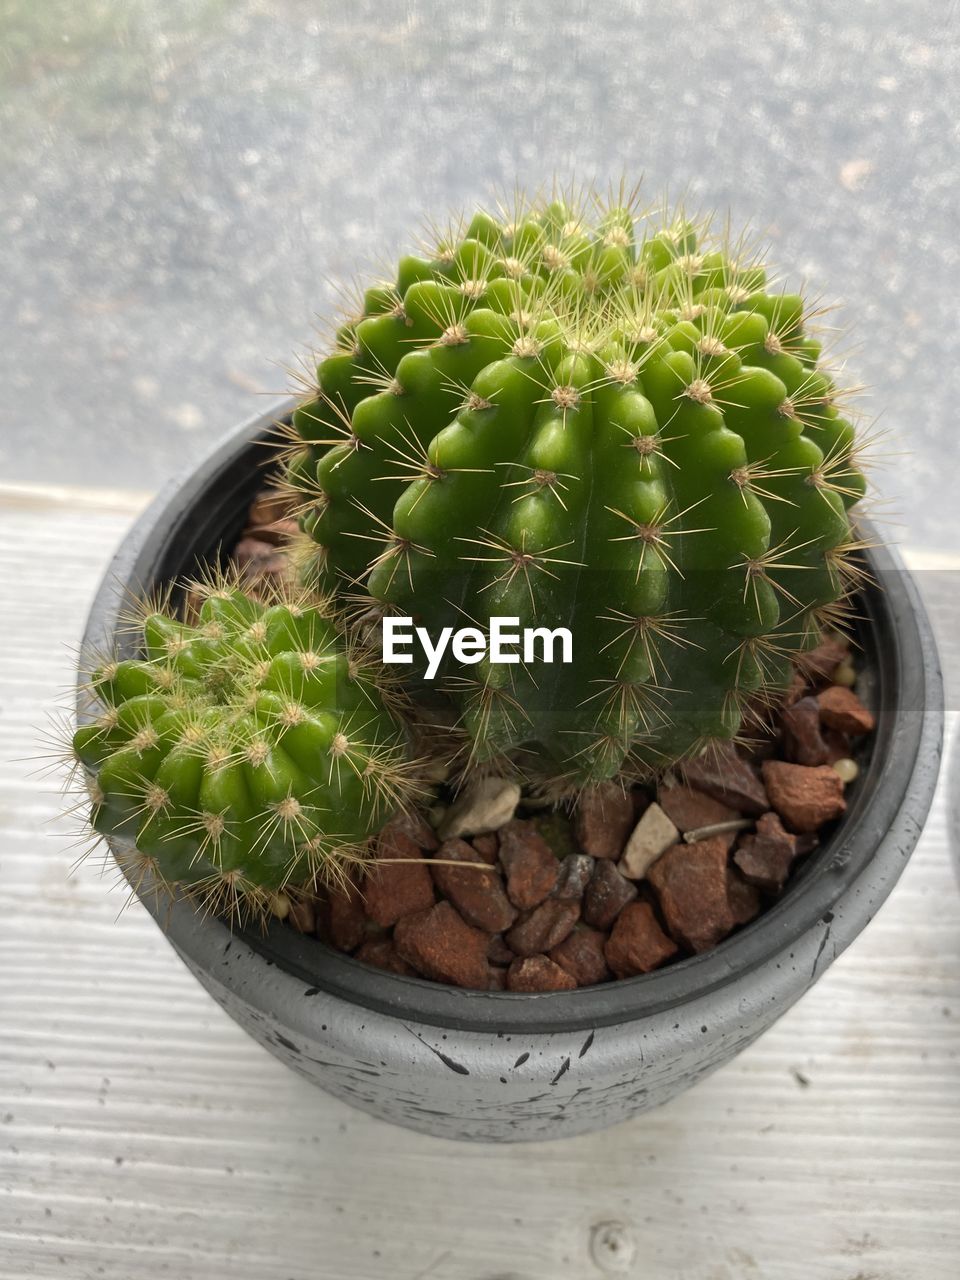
501	1067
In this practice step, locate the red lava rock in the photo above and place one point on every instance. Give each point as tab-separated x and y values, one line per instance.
487	846
382	953
637	943
415	827
765	859
346	921
575	872
606	895
744	899
538	973
802	738
258	556
531	868
805	798
545	927
723	774
797	689
841	709
498	952
688	809
390	892
478	895
581	955
441	945
691	884
603	820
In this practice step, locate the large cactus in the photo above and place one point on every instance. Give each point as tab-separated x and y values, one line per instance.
557	419
243	753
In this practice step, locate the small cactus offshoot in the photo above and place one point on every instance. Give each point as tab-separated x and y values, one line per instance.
246	752
579	417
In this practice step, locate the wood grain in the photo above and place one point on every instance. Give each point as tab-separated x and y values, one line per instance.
143	1135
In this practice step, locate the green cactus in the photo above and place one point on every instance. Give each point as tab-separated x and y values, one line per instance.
559	418
244	753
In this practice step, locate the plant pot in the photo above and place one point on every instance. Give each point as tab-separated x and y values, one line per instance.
502	1067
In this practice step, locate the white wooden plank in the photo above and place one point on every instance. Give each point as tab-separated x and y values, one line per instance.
142	1134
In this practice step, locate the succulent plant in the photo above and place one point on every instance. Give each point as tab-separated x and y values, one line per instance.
245	752
577	417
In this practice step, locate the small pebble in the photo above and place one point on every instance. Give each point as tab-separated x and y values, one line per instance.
693	888
531	869
486	804
538	973
637	944
545	928
805	797
606	895
581	954
478	895
399	882
651	837
345	920
441	945
841	709
603	820
845	674
847	769
803	740
575	872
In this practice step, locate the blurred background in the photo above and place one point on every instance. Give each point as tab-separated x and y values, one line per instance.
182	185
183	179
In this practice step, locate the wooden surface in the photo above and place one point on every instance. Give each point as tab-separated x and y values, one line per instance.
142	1134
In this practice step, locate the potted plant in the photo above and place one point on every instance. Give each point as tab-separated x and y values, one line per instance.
526	783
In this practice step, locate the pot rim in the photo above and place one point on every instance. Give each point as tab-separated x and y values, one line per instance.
198	513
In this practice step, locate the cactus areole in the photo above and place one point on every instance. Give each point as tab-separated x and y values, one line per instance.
589	422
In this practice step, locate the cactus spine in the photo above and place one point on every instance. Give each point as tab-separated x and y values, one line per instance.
569	418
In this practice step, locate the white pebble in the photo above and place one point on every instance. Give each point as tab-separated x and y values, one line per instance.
652	836
280	906
486	804
847	769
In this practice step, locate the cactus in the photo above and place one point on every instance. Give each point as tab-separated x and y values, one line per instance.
245	752
576	420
